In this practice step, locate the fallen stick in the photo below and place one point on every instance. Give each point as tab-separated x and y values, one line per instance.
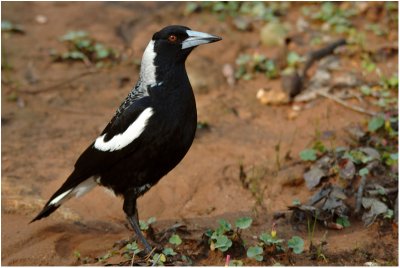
347	105
360	193
59	84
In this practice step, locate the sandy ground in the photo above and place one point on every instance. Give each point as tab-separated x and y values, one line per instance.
42	138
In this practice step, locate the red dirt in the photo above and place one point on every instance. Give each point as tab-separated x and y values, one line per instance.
41	141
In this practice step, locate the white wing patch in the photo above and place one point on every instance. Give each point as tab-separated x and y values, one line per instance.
131	133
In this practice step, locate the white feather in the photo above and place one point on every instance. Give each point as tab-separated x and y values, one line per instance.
84	187
131	133
58	199
78	191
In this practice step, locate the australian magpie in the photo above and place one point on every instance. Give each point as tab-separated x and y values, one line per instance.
150	133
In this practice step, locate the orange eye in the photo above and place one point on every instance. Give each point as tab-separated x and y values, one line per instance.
172	38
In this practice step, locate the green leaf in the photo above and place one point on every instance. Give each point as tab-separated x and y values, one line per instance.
151	220
101	51
133	247
6	25
224	226
255	253
343	221
363	172
366	90
74	35
73	55
389	214
169	252
191	7
293	59
308	155
376	123
296	243
268	240
243	223
296	202
235	263
175	240
77	254
159	259
143	225
223	243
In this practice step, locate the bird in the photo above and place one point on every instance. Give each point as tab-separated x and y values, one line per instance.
150	132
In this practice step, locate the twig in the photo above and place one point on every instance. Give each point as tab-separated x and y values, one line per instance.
345	104
55	86
360	193
133	258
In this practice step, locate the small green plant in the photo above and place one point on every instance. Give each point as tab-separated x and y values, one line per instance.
243	223
82	47
296	243
223	235
105	257
344	221
8	26
308	155
367	64
77	254
175	240
255	253
158	259
169	252
133	248
335	16
248	65
222	243
144	225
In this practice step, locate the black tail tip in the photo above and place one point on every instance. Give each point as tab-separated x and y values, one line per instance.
46	211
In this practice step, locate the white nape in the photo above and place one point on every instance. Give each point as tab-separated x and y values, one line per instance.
147	67
78	191
131	133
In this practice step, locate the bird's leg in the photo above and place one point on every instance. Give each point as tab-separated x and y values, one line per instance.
132	215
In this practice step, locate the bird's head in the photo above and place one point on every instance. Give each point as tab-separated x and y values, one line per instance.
170	46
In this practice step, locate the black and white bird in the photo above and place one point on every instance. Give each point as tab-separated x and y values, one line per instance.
150	132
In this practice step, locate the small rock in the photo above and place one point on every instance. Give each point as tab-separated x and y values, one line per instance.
330	63
313	177
371	263
292	115
346	80
229	73
302	25
273	34
347	169
242	24
41	19
334	226
371	152
272	96
296	108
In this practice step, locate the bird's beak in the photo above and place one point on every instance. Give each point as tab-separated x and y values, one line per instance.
198	38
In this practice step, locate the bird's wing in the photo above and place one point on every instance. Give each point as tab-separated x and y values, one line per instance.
116	140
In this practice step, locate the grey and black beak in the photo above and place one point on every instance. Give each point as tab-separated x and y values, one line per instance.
198	38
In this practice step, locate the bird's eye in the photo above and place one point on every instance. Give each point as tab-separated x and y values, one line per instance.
172	38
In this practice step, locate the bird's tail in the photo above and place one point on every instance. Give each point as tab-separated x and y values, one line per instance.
72	187
54	202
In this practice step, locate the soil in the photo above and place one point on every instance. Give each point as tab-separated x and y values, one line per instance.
44	133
